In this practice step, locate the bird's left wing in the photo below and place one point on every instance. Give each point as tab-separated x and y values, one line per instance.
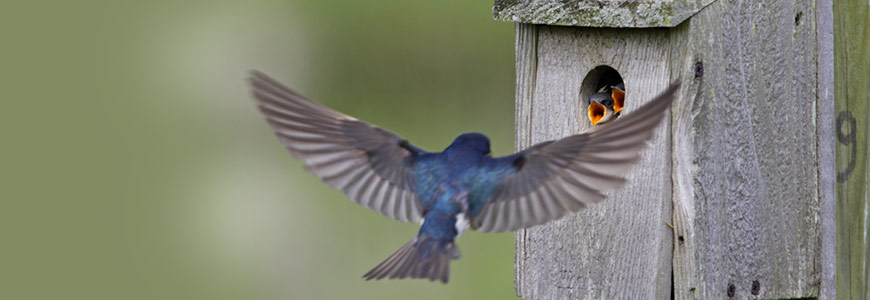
371	166
551	179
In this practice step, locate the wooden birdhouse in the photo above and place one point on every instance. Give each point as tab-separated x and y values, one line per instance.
733	197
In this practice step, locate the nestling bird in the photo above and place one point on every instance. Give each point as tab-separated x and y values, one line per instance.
617	92
463	185
606	104
600	108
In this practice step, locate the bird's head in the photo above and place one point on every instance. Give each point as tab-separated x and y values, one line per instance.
617	92
471	142
600	108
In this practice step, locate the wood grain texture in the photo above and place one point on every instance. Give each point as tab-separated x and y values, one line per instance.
827	150
598	13
685	267
620	249
747	157
852	107
526	69
746	173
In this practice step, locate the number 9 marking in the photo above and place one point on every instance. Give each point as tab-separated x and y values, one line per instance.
849	139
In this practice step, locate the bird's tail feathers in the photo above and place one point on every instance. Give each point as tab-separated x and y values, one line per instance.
422	257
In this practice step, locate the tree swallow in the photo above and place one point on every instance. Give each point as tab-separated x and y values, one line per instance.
617	92
606	104
463	185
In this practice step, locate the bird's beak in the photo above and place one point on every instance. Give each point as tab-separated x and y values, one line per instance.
618	99
596	112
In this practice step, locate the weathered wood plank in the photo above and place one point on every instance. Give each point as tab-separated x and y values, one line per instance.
526	70
852	106
746	179
597	13
685	268
827	150
620	249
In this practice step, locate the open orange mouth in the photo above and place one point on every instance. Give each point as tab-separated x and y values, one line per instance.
618	98
596	112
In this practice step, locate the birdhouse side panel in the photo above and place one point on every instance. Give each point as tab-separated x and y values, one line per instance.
746	171
852	133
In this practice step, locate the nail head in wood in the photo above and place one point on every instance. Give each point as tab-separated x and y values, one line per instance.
756	287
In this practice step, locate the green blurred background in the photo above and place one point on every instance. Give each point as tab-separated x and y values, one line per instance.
135	165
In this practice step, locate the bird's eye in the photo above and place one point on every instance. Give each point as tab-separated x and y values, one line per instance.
607	102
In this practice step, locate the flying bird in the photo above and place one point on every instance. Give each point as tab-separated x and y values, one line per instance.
463	185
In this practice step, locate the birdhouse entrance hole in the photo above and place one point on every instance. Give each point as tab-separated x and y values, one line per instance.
603	79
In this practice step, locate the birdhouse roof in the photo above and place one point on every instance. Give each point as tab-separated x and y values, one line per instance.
598	13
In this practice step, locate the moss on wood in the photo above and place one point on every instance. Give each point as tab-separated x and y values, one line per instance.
647	13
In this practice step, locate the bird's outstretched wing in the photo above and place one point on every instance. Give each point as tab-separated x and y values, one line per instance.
371	166
552	179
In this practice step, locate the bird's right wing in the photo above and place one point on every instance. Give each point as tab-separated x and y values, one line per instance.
371	166
551	179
